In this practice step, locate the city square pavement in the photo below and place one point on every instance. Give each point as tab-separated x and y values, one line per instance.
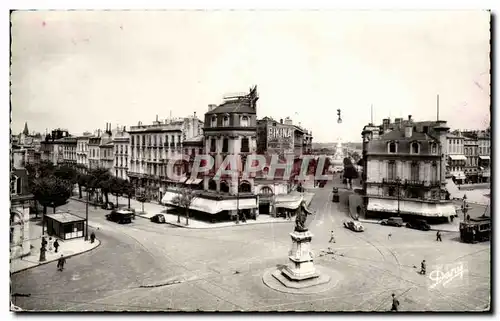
146	266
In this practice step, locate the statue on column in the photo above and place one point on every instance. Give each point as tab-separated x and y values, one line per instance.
301	218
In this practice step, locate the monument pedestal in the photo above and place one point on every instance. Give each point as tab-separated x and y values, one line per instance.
301	266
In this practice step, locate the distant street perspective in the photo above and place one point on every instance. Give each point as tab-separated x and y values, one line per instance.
239	205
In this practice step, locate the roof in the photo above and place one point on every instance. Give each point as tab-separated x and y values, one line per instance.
453	136
65	217
400	135
239	106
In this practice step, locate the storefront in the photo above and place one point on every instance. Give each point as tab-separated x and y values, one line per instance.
65	226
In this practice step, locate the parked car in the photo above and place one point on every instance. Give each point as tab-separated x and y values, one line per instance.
124	208
418	225
108	206
354	226
158	218
393	221
120	216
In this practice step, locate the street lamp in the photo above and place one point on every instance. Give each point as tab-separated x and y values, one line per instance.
465	207
87	217
398	182
238	201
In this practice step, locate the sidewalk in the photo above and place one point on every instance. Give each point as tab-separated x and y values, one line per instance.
443	227
67	248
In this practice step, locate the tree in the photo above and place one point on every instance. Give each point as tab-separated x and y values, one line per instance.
142	199
117	187
184	200
99	179
356	157
51	191
67	173
82	180
129	190
350	171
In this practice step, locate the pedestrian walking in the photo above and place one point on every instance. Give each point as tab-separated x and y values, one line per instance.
56	246
51	243
395	303
332	237
92	237
422	265
60	263
438	236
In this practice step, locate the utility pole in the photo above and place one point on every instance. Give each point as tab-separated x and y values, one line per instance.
398	180
238	201
87	217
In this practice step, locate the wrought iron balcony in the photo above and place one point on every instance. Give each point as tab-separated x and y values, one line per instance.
411	182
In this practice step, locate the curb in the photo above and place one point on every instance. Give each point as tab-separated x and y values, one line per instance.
432	229
47	262
226	226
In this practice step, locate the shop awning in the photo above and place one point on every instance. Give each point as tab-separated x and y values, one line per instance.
188	182
484	157
182	180
194	181
213	206
291	202
458	157
458	175
410	207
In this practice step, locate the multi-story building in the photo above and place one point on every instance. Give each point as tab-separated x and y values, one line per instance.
404	169
483	139
230	130
283	137
472	162
82	149
121	142
456	159
106	151
69	150
51	149
151	149
93	155
20	199
192	148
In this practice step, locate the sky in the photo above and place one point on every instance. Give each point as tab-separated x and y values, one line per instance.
82	69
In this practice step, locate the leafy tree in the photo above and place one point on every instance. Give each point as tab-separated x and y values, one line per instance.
356	157
82	181
51	191
128	190
117	187
184	200
67	173
142	199
42	169
99	179
350	171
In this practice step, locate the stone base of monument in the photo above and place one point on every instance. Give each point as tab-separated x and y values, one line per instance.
300	273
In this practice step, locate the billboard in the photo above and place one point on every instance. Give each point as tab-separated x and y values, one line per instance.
280	138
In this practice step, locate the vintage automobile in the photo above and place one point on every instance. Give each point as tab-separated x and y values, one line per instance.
158	218
418	225
392	221
120	216
354	226
108	206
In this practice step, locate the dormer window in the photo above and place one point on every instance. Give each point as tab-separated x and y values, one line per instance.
415	148
214	121
244	121
226	121
392	147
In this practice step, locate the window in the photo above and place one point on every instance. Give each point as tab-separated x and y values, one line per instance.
433	148
415	173
245	148
126	149
434	172
13	184
214	121
212	185
212	145
391	170
245	187
225	145
392	191
415	148
244	121
392	148
224	187
226	121
426	129
179	139
193	151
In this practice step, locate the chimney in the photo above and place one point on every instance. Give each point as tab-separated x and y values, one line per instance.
124	128
194	115
281	121
98	133
409	118
408	130
211	107
156	117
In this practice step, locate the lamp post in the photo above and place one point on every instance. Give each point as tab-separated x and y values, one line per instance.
465	207
238	201
87	217
398	182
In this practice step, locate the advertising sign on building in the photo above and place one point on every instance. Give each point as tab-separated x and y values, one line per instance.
280	137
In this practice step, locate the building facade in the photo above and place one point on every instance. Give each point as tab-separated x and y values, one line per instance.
483	139
282	138
472	162
121	145
106	151
51	148
404	169
20	199
151	149
456	159
69	150
93	155
82	149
